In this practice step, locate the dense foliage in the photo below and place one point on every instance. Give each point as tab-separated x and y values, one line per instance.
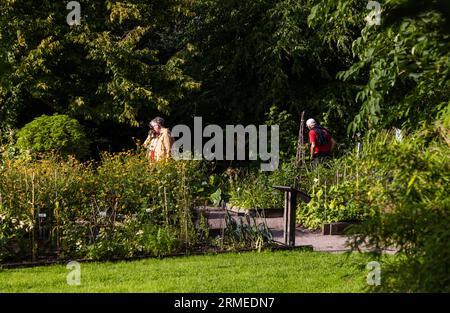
406	191
130	59
121	207
249	189
58	133
402	66
252	55
397	187
121	64
231	62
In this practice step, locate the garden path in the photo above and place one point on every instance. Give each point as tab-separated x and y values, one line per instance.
304	237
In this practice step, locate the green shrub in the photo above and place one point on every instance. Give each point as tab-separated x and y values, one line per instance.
133	237
13	235
57	133
408	194
254	189
335	189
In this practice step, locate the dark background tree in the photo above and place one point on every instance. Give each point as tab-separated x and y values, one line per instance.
227	61
402	65
114	71
251	55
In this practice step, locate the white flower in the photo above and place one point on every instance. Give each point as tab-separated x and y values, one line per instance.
30	226
140	232
316	180
204	183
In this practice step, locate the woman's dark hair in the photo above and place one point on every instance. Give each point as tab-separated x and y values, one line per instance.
158	120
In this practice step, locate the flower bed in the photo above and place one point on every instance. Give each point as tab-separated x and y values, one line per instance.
120	207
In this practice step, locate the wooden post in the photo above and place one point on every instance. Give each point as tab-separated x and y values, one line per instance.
287	203
302	141
300	156
290	207
289	217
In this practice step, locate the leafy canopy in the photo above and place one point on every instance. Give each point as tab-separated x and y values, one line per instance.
401	67
121	62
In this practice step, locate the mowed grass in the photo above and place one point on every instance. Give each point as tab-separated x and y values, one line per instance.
281	271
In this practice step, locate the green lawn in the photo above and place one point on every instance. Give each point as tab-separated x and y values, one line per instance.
282	271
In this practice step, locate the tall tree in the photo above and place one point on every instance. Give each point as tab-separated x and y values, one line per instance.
122	63
402	67
251	55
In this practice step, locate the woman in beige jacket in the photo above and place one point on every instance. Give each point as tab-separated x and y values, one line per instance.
159	141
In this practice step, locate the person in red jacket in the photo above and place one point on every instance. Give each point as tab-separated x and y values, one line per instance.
321	140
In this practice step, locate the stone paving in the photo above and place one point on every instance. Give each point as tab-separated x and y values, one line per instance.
319	242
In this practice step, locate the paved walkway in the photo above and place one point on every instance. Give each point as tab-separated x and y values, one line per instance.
319	242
